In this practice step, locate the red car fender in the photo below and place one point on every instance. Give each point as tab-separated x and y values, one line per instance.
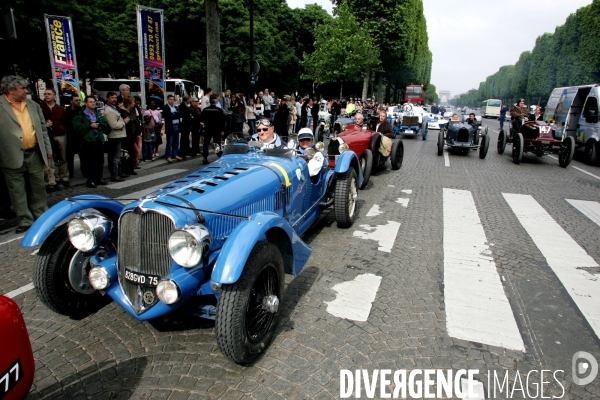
16	360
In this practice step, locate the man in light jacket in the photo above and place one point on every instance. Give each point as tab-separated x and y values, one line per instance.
24	152
115	137
268	102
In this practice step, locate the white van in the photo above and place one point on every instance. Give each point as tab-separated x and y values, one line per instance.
574	112
176	87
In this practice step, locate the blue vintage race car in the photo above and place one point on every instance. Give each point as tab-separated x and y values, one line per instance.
215	243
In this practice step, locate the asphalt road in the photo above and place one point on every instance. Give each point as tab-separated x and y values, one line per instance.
453	262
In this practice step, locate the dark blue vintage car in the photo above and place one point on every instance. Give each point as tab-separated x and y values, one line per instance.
215	243
462	137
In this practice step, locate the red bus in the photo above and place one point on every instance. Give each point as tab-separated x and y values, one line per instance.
414	92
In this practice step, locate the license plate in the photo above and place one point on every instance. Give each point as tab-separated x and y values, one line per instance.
142	279
410	131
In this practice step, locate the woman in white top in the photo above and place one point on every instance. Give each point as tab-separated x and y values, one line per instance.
259	108
251	117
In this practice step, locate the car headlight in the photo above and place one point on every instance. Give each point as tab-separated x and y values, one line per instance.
88	231
320	146
343	147
309	153
99	278
189	245
167	291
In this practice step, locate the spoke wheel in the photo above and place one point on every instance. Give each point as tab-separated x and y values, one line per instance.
566	155
366	164
502	139
52	281
346	195
517	147
248	310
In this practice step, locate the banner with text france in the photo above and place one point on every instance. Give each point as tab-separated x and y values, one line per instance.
152	54
63	60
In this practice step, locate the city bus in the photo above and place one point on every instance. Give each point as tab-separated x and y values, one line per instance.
176	87
491	108
414	92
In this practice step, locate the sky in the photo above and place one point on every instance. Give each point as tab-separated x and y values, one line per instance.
471	39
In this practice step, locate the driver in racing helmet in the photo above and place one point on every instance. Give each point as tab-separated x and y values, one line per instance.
306	141
265	132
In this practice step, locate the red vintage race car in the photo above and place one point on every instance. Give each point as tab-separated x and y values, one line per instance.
365	142
16	359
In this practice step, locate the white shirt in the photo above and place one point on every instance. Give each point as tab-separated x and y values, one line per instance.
267	101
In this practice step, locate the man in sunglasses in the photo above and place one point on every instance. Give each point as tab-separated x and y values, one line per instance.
316	161
265	132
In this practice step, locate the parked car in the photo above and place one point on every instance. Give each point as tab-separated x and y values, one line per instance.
461	138
17	366
537	137
214	244
365	142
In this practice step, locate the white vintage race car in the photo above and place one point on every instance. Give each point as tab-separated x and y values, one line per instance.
436	121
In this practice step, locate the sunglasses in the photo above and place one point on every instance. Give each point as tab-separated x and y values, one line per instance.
262	129
264	122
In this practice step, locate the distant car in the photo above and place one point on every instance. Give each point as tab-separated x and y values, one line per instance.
448	113
436	122
413	120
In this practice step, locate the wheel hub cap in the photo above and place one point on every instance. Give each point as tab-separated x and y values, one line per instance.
271	303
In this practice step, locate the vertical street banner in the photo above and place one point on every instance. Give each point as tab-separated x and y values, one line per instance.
152	54
62	56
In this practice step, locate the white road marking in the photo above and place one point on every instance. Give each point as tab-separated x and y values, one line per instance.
391	186
354	298
407	191
590	209
563	254
446	159
12	240
147	178
19	291
384	234
577	168
479	393
403	201
476	306
374	211
35	252
140	194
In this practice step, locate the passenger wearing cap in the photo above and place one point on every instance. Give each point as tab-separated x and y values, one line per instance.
265	132
316	161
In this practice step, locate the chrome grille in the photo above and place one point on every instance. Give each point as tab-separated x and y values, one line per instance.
143	247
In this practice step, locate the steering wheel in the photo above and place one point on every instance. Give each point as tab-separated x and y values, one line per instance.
407	108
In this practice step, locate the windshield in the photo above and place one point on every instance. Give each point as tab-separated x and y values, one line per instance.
238	144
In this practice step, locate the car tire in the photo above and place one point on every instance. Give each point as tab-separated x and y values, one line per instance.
397	154
485	145
591	152
366	163
346	193
425	131
51	278
517	148
241	303
566	155
378	158
502	138
441	142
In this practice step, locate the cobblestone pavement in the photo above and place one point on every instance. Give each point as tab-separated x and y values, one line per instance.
111	355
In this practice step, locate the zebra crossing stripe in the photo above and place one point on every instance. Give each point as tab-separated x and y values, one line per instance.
477	308
566	258
590	209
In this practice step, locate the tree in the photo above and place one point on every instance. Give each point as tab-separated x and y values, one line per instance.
213	45
344	51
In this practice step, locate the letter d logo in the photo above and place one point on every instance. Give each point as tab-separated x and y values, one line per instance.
583	367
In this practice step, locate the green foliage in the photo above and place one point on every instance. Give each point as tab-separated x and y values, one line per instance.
568	57
431	95
344	51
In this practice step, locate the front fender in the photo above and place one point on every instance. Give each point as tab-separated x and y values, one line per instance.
51	218
239	245
346	160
